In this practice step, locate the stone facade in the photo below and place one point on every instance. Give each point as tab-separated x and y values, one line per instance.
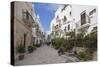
22	25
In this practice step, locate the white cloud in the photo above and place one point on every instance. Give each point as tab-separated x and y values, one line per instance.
38	16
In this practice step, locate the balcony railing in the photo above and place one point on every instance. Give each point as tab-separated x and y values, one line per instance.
27	18
85	25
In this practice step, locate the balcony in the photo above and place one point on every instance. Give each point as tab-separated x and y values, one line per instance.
84	23
27	18
85	20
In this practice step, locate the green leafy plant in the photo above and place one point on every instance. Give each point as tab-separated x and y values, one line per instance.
31	48
20	49
82	56
70	41
91	41
34	47
69	44
85	55
57	42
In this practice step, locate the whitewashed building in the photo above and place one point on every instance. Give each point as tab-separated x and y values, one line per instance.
85	18
63	21
73	17
37	30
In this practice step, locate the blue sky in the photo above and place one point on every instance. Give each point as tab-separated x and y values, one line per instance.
46	13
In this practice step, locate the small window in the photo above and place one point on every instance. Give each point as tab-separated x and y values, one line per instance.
27	15
65	18
65	29
83	18
23	14
70	13
69	27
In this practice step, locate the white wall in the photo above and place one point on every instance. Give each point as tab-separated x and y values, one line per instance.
77	9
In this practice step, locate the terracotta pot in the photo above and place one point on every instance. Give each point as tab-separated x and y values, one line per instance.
21	57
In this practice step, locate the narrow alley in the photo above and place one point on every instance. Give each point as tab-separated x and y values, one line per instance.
59	34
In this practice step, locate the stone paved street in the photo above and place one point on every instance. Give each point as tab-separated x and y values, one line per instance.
44	55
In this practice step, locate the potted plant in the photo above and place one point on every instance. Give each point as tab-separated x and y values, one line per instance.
34	47
30	49
21	50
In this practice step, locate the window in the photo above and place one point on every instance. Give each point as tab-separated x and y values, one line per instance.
70	13
83	18
57	19
65	18
27	18
69	27
65	29
56	27
93	11
25	14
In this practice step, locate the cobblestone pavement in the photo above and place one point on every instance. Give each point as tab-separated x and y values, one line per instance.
43	55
